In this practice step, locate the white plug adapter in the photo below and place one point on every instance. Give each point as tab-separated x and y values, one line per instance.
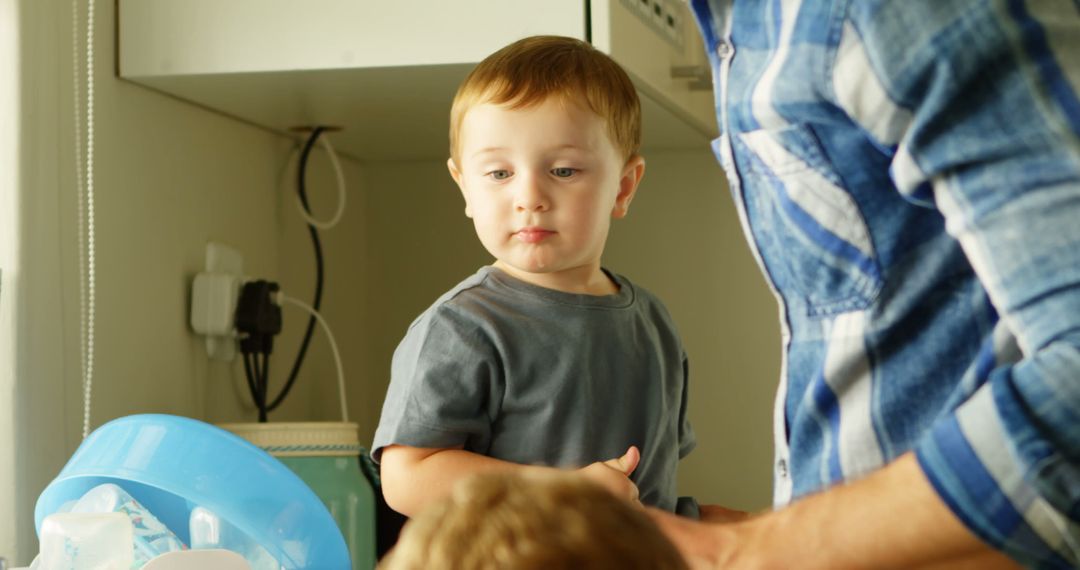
214	294
213	303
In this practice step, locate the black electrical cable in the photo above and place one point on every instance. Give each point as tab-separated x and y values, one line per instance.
264	375
252	387
257	373
301	172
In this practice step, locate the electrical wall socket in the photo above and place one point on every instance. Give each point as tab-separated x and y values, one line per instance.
213	300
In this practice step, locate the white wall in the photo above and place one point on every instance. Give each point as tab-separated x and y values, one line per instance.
682	240
9	229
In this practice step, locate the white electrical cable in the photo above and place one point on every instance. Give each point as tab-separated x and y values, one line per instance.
91	264
333	347
341	191
85	188
76	70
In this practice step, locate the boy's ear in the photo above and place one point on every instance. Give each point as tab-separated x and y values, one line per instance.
456	175
628	184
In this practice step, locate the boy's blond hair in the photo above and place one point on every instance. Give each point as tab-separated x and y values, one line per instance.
531	522
531	70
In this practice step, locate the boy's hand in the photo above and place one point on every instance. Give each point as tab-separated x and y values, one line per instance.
614	474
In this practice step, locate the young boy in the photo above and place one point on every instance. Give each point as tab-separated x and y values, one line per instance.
543	359
532	521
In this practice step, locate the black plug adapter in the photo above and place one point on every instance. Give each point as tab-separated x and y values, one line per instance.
258	317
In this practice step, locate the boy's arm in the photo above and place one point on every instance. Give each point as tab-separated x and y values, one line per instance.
414	477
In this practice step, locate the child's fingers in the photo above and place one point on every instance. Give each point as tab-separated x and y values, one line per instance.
630	460
611	474
626	489
627	463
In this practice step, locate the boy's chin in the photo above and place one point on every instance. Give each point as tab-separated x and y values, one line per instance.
524	267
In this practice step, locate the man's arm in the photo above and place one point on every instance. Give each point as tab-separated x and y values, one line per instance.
891	519
979	108
414	477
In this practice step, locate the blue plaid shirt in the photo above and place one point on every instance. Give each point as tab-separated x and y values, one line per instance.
908	175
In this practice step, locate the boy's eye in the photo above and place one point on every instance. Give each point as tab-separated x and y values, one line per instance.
499	174
564	172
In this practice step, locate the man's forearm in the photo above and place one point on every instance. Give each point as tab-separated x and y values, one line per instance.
891	519
983	560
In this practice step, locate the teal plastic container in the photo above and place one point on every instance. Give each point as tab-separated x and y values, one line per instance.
326	456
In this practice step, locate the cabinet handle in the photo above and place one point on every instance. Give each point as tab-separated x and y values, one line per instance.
699	75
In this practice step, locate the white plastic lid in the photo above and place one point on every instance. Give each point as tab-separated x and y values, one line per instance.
301	439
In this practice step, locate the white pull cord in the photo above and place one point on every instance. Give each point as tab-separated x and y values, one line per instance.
333	347
341	191
85	188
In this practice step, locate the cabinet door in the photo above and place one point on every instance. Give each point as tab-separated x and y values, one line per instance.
385	72
195	37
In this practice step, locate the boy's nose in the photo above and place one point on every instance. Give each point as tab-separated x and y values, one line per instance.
530	197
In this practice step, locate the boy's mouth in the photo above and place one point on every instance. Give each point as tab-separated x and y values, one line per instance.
533	234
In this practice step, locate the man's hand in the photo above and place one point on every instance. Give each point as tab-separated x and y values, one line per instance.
614	474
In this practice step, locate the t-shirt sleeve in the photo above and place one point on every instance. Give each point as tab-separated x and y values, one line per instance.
444	386
687	439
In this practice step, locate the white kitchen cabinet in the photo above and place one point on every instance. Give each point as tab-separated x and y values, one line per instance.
386	71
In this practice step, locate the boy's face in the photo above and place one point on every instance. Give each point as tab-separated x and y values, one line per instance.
541	185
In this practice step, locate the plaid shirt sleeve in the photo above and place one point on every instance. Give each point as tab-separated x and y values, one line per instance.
985	125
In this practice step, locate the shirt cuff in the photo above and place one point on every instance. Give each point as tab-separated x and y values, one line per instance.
969	459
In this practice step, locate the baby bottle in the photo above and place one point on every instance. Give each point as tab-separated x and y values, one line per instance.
151	537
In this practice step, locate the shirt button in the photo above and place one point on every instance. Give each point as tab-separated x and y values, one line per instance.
724	49
781	468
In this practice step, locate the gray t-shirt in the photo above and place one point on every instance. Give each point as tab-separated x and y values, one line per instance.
537	376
